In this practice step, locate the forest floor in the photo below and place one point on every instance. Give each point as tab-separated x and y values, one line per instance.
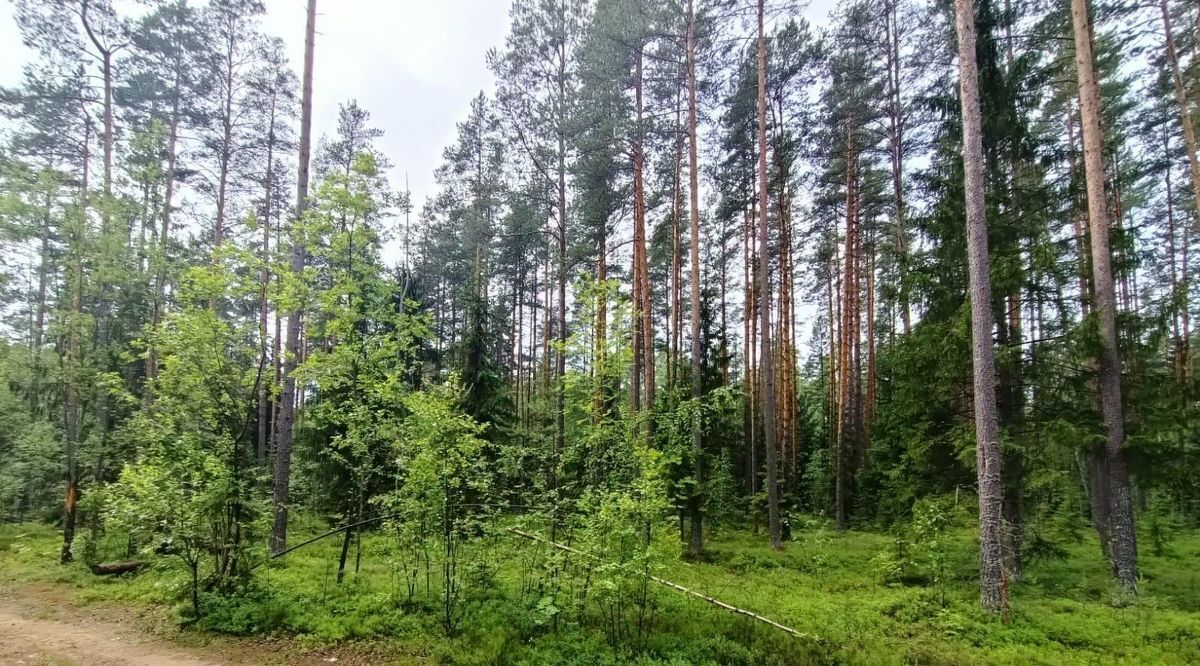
845	592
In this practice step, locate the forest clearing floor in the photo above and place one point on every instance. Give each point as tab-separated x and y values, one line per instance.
43	625
860	597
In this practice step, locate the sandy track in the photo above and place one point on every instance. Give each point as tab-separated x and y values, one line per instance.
33	641
42	625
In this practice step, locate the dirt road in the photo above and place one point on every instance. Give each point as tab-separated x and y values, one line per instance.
26	640
43	626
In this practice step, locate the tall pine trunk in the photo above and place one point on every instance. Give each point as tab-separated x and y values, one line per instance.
1121	535
993	591
637	381
675	335
749	335
287	401
696	540
560	393
647	306
848	379
764	298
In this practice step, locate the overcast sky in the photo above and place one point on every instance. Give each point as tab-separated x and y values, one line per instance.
414	64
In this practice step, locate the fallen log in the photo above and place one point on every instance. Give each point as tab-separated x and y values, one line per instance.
117	568
677	587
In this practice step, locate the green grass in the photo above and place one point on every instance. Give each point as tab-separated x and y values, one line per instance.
824	584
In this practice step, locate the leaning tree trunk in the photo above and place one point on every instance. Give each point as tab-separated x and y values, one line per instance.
1122	538
287	400
993	592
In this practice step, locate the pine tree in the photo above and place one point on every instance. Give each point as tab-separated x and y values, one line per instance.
987	460
287	400
764	298
1123	536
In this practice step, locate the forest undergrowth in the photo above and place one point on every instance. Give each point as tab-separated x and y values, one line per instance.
863	597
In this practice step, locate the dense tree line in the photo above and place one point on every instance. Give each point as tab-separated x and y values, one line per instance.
704	258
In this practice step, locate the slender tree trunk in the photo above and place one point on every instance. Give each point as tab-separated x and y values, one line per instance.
896	153
676	333
164	234
848	379
696	541
869	411
1173	262
561	356
1012	394
1011	400
750	380
71	397
104	305
287	401
341	557
600	346
1121	523
993	590
1079	223
226	154
276	347
107	137
264	392
785	349
1185	306
547	326
518	348
1185	117
71	367
832	409
764	300
641	318
39	318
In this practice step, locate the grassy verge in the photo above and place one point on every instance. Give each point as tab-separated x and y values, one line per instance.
824	584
